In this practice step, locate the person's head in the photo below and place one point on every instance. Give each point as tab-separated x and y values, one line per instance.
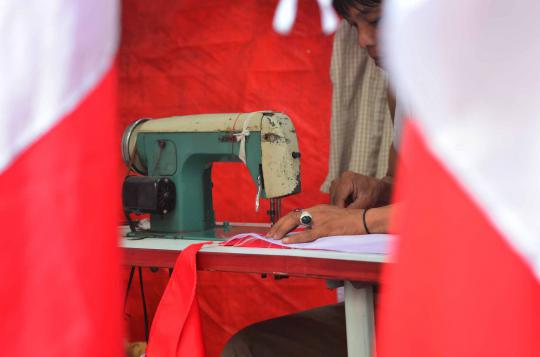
364	15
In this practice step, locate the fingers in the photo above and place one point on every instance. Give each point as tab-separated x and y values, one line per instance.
360	202
341	195
340	190
284	225
308	235
343	189
333	188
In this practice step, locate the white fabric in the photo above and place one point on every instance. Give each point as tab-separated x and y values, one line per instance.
364	244
329	19
285	16
52	54
469	70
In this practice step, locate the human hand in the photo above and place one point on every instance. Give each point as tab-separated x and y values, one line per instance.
327	221
354	190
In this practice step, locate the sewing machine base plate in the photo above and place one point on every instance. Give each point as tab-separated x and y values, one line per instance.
220	233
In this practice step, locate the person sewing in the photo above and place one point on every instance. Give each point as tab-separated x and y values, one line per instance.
361	205
360	122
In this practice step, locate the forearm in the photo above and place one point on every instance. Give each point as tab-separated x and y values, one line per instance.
378	219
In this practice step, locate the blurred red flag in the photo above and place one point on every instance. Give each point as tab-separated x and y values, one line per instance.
457	288
176	329
59	261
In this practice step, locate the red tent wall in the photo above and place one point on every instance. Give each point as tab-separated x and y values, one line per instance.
189	57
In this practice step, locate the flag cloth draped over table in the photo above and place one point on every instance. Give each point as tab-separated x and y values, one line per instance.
465	282
176	329
59	261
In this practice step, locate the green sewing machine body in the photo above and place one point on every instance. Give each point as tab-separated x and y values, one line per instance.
181	150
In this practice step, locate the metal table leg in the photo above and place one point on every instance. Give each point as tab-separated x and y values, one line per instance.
359	316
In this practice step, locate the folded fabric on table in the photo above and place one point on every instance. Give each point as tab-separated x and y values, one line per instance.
367	244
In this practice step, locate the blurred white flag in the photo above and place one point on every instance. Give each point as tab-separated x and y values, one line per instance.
285	16
469	70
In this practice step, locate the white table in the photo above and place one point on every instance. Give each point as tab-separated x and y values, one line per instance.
358	272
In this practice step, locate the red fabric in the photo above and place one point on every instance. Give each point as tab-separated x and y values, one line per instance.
457	288
176	330
188	57
60	262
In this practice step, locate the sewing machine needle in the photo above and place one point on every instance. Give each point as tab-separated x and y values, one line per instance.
258	197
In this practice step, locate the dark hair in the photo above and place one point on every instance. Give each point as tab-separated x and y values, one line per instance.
342	7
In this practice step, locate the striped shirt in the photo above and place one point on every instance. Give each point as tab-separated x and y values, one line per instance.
361	126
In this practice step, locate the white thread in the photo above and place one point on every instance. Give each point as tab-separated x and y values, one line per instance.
241	137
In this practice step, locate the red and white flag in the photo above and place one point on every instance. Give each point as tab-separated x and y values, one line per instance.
58	160
466	278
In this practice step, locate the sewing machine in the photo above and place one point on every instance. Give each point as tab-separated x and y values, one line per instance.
174	158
